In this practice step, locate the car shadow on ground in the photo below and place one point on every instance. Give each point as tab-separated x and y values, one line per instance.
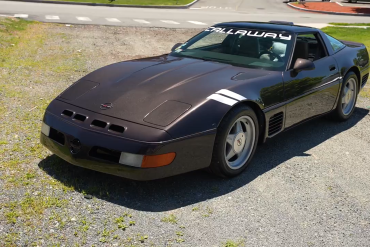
182	190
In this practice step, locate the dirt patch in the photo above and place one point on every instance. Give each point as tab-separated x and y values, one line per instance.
307	187
332	7
37	62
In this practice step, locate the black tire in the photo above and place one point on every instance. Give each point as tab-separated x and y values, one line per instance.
338	114
219	165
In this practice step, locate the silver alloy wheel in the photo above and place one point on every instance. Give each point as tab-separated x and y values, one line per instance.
349	96
240	142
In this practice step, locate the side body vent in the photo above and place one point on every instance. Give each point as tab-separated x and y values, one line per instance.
276	123
364	79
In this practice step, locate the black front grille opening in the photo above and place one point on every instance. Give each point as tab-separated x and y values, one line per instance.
67	113
116	128
105	154
364	79
98	123
79	117
276	123
57	136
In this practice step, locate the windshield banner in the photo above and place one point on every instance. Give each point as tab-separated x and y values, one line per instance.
253	33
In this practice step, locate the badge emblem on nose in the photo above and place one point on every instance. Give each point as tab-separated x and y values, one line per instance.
106	106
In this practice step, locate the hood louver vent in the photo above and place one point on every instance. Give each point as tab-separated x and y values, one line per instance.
79	117
276	123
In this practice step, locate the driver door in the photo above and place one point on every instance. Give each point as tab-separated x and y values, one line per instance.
313	92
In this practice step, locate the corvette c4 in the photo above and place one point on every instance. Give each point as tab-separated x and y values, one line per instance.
206	104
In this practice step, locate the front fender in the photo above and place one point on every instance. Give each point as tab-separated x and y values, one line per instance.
207	115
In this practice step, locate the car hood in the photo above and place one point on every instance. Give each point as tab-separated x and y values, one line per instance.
133	89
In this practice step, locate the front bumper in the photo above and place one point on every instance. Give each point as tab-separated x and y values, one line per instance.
192	153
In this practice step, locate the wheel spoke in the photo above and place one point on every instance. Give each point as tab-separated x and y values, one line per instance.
239	142
346	89
349	96
239	127
230	139
230	154
344	100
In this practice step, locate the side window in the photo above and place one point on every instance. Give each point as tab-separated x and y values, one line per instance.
336	44
308	46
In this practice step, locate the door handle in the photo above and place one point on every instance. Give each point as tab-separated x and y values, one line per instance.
332	67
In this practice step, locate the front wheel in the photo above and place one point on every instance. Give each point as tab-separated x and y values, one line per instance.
347	98
235	142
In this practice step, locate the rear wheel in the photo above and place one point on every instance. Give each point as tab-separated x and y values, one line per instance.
235	143
347	98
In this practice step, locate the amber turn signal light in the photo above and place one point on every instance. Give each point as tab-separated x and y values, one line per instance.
150	161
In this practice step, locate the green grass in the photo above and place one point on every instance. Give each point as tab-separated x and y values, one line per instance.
9	25
350	34
24	63
29	207
365	92
9	38
350	24
170	219
231	243
135	2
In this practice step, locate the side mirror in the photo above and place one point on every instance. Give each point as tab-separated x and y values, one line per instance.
303	64
176	46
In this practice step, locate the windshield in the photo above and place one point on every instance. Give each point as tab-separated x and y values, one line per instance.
259	49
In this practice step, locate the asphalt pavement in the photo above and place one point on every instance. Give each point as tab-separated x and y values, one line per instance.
202	14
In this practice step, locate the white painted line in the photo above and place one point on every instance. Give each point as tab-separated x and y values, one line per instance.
112	20
83	18
6	15
142	21
21	16
231	94
170	22
222	99
52	17
195	8
197	23
339	4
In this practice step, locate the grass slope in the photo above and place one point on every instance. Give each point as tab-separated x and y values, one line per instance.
350	24
352	34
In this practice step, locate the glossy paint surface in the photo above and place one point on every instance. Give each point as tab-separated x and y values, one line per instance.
136	89
312	92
